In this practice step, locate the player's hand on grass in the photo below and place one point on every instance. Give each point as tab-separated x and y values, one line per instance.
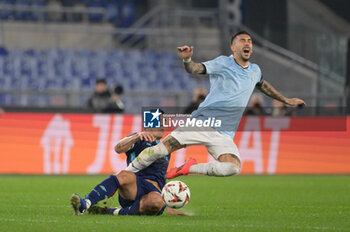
147	136
185	51
295	102
175	212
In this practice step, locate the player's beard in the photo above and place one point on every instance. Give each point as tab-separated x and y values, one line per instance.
245	59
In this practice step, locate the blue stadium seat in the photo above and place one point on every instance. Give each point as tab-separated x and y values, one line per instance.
35	16
94	4
7	15
54	69
3	51
121	13
23	15
128	12
114	11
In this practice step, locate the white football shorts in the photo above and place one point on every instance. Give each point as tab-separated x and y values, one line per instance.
216	143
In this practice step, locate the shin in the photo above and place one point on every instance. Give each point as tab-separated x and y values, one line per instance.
147	157
216	168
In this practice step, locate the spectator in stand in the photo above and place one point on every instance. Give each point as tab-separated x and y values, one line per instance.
103	101
279	109
55	16
199	95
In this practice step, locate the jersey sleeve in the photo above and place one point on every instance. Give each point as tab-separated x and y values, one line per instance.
259	83
213	66
260	78
132	149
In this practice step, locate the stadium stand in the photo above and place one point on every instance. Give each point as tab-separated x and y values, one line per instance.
59	70
53	51
120	13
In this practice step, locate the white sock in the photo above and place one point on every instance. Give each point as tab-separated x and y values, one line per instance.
147	157
116	211
215	168
88	203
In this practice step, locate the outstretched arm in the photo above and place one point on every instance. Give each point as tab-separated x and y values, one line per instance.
191	67
126	143
270	91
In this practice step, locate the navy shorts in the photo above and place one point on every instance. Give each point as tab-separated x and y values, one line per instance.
143	187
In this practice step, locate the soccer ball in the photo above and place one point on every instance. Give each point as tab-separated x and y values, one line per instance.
176	194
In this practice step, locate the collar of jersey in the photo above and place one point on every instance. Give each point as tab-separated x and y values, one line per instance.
238	64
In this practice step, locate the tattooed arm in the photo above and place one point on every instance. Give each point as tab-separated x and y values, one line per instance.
194	68
126	143
270	91
191	67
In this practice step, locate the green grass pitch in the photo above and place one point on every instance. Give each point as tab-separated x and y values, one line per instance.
240	203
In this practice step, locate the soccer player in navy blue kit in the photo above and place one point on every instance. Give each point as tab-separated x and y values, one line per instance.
139	194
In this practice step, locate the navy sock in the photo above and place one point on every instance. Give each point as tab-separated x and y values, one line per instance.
104	190
131	210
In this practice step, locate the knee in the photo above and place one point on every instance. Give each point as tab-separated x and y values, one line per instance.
124	177
227	169
151	203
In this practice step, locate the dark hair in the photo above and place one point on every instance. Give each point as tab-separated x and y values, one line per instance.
239	33
101	80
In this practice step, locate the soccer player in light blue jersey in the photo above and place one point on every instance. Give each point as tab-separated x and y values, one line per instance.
232	81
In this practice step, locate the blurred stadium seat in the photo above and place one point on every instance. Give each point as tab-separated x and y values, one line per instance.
88	32
54	69
120	13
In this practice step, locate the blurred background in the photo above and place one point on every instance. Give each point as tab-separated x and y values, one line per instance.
53	53
63	58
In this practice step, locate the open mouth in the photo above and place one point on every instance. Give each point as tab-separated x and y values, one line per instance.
246	51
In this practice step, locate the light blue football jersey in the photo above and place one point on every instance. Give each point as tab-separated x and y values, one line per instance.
231	86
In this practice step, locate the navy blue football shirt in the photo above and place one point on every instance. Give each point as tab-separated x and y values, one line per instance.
157	170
